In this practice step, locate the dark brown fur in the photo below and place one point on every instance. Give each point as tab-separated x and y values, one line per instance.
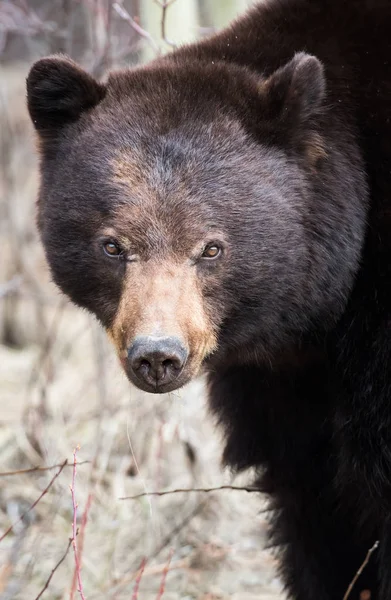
272	139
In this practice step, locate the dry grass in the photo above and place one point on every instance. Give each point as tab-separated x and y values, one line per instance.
60	387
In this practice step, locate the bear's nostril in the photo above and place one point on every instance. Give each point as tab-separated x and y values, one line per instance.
170	363
143	366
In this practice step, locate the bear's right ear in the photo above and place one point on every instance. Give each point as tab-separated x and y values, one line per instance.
295	92
58	92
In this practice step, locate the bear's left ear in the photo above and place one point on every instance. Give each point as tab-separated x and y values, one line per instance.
294	93
58	92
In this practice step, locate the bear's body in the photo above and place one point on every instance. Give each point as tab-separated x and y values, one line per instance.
229	206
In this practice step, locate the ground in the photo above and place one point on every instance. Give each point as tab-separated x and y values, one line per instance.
61	387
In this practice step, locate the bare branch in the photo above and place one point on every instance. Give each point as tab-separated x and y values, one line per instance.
54	570
360	570
164	4
74	528
40	469
164	576
34	504
81	542
188	490
120	10
138	580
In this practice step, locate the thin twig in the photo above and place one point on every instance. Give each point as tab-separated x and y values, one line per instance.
188	490
39	469
164	4
74	527
84	520
360	570
34	504
164	576
54	570
139	576
120	10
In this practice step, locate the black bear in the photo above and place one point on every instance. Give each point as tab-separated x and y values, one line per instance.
227	208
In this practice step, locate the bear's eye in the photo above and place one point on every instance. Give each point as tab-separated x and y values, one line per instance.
211	251
112	249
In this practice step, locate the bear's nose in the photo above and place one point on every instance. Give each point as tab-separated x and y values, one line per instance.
156	361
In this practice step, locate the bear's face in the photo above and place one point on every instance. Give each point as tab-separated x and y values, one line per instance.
178	209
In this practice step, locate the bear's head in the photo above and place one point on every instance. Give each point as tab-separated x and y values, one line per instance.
202	212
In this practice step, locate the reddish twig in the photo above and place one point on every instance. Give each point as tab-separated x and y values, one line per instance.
54	570
84	520
139	576
164	576
74	528
188	490
34	504
38	469
360	570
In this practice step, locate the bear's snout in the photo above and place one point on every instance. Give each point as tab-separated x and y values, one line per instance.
154	364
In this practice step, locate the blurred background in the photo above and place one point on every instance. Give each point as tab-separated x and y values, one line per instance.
61	386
